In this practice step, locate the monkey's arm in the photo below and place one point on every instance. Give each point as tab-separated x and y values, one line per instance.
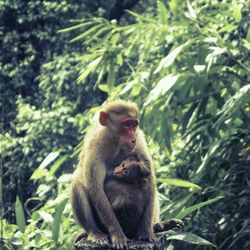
95	183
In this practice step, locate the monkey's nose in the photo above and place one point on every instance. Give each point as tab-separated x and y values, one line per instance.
133	141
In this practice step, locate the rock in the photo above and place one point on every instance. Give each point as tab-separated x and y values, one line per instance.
82	244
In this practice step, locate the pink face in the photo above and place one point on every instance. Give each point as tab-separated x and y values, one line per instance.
127	129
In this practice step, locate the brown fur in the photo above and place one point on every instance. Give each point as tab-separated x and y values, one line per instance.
102	149
128	194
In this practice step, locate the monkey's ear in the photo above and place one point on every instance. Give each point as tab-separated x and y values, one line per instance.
103	117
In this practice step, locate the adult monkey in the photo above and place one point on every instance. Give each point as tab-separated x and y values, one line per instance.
107	143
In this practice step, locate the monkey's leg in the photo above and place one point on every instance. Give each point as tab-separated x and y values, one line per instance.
83	212
145	227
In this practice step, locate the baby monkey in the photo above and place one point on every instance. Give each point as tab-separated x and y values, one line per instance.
131	171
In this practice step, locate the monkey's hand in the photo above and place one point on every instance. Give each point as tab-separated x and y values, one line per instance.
119	240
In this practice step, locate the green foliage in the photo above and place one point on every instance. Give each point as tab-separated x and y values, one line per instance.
190	238
20	218
186	65
39	103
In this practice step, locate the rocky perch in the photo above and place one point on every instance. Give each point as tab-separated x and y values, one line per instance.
82	244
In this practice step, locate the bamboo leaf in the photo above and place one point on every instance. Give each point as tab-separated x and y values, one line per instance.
162	87
173	5
169	59
162	12
86	33
248	35
209	155
49	158
46	216
142	17
180	183
41	171
236	11
57	219
103	87
20	217
97	35
57	164
191	11
228	28
190	238
187	116
91	67
74	27
191	209
111	75
233	105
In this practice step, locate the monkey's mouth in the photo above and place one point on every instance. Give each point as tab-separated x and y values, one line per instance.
127	148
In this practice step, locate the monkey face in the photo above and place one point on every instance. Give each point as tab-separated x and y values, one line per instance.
130	171
122	125
128	128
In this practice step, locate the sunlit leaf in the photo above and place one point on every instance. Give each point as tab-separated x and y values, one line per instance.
91	67
228	28
75	27
169	59
180	183
236	11
173	4
127	87
111	75
190	238
57	164
191	11
46	216
48	159
38	174
199	68
191	209
103	87
119	59
86	33
248	34
209	155
20	217
142	17
136	90
162	87
234	104
162	12
57	219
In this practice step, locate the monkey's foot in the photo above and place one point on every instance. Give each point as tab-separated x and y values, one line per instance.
177	223
149	237
119	241
98	238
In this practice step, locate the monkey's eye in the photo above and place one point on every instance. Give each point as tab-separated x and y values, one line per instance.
123	164
134	127
125	171
127	124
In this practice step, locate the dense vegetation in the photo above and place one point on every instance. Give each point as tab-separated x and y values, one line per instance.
186	64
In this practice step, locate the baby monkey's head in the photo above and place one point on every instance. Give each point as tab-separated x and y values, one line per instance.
131	170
